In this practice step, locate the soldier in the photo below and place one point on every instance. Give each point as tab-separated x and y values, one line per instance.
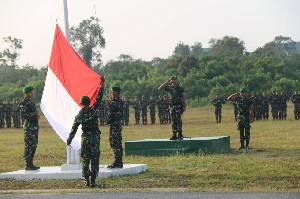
16	114
265	106
245	115
295	98
115	129
8	113
144	104
178	105
137	110
90	137
217	102
160	109
126	104
256	105
2	114
282	105
166	107
30	116
101	113
152	103
274	101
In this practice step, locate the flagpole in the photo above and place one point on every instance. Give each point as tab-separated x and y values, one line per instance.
73	156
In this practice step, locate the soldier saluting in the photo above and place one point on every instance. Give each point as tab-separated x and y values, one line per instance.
178	105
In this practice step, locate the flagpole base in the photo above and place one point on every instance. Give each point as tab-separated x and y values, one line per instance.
71	167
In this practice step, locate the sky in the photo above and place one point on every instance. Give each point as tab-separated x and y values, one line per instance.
145	29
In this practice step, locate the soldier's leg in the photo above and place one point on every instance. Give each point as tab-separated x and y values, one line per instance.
86	158
174	126
115	140
241	128
31	141
247	134
95	160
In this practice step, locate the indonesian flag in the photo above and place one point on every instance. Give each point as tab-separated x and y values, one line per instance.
68	78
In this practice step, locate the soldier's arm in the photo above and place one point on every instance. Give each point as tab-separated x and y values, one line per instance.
251	114
73	131
162	86
229	98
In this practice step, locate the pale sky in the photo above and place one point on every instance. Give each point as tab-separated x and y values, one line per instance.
146	29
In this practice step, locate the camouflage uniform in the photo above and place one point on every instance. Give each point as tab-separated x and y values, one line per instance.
256	105
176	94
152	104
16	114
2	114
264	107
282	106
137	110
295	98
101	113
160	109
90	138
235	109
274	102
217	102
144	105
115	130
8	113
126	115
29	115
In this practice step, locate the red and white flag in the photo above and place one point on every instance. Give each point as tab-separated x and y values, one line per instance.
68	78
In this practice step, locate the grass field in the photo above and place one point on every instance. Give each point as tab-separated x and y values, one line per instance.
272	163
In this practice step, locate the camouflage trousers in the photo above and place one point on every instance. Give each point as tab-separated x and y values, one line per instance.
30	140
137	114
115	140
176	114
244	128
152	115
144	116
1	121
17	120
8	120
90	153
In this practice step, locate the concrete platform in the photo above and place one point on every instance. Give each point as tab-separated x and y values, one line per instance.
57	173
161	147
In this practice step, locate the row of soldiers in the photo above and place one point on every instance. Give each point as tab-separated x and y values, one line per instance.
10	111
140	107
261	103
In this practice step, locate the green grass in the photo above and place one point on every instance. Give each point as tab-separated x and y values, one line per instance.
273	163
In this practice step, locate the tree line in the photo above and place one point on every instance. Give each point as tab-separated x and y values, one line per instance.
221	69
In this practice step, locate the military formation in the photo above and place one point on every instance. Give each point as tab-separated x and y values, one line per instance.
273	106
10	114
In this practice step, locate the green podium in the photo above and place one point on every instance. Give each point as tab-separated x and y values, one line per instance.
161	147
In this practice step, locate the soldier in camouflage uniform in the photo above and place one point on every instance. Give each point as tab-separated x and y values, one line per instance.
282	105
274	102
137	110
126	115
2	114
264	106
245	115
16	114
160	109
217	102
101	113
115	129
152	103
8	113
90	138
295	98
178	105
30	116
144	104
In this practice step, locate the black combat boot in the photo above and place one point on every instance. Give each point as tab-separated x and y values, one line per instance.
174	137
29	166
242	144
180	136
87	181
117	163
93	181
247	144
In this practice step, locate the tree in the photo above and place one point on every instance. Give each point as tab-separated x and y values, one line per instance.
196	49
10	55
181	49
87	39
227	46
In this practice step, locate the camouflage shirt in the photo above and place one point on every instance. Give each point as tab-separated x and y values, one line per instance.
115	112
88	118
176	93
244	105
28	112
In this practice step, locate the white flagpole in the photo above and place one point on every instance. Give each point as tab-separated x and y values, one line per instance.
73	156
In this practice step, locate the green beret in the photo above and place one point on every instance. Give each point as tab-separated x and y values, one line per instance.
27	89
85	100
116	88
173	77
242	89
